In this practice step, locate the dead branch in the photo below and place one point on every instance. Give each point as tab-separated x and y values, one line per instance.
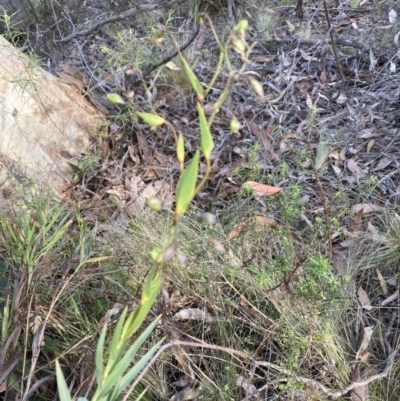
126	14
315	42
173	55
332	394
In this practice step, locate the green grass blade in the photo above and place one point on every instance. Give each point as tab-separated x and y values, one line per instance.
134	371
116	348
120	367
100	356
62	385
186	185
150	291
141	395
193	80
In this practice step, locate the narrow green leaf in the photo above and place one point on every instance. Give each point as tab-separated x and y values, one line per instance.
6	316
134	371
187	185
150	291
99	359
207	143
141	395
111	396
62	385
193	80
75	169
116	348
152	119
180	150
123	364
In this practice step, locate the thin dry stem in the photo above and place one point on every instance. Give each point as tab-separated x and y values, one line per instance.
333	394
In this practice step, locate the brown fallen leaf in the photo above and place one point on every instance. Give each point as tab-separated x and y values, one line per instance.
347	243
261	189
192	314
364	299
367	208
144	147
370	144
337	170
242	226
372	229
382	282
354	169
383	163
73	71
217	246
342	154
72	80
355	222
367	335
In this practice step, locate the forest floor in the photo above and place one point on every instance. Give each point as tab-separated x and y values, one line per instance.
303	278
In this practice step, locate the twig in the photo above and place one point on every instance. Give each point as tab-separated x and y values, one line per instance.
126	14
339	67
315	42
313	383
169	58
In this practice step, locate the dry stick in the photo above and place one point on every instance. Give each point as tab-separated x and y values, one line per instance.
334	51
323	197
126	14
305	380
169	58
314	42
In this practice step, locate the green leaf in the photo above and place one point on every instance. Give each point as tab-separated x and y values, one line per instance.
100	356
150	291
187	185
193	80
134	371
62	385
6	317
180	150
141	395
207	143
76	169
123	364
152	119
116	348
